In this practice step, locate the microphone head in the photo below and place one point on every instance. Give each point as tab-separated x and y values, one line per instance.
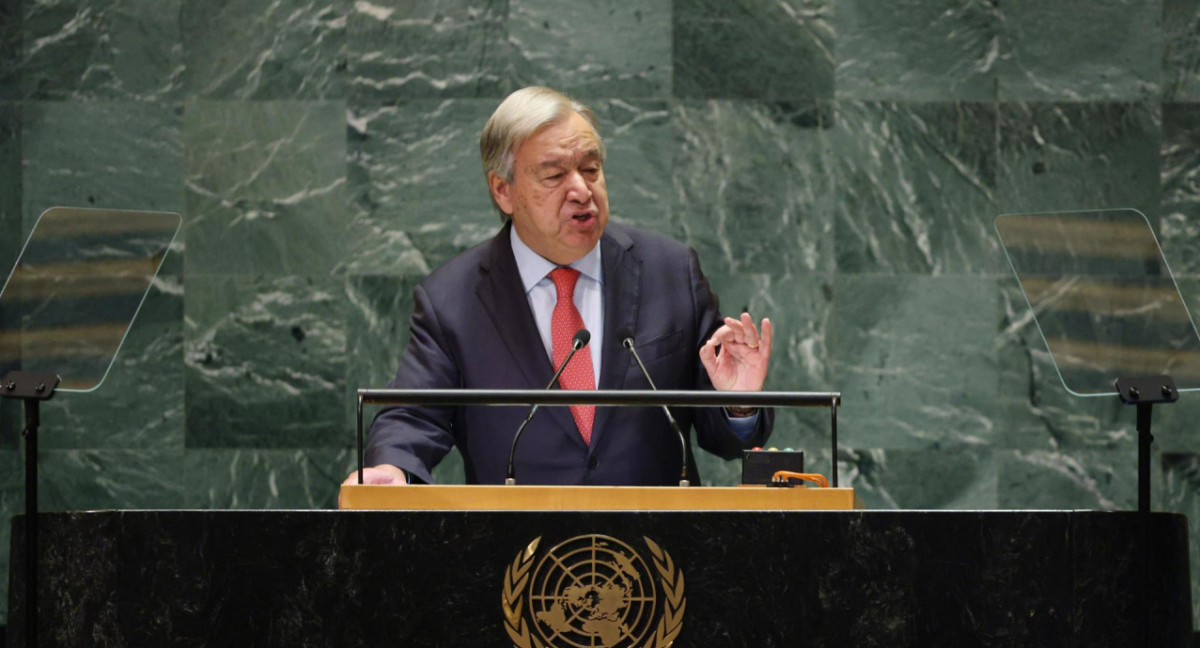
625	336
582	337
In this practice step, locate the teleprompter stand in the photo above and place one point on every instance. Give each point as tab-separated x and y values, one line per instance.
1105	301
1145	392
31	388
64	312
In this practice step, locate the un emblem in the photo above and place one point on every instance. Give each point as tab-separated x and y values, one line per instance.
593	591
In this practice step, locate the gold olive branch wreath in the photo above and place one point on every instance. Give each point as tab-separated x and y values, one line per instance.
516	579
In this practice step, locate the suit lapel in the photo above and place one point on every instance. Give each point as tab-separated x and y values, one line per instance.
502	295
622	291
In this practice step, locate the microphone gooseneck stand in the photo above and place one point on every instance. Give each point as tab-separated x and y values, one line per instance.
602	397
627	342
582	337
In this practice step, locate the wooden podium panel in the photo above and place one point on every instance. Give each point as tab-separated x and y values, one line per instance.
595	498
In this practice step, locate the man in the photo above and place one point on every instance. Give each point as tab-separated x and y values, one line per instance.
502	315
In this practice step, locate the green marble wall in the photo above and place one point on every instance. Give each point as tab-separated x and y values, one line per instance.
837	164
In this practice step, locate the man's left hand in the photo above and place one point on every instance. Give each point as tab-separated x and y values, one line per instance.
741	364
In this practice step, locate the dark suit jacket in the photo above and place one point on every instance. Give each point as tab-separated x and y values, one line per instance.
472	328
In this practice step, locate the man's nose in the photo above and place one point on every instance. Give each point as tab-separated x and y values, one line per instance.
577	188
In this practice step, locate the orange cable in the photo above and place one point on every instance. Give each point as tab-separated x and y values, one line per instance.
814	478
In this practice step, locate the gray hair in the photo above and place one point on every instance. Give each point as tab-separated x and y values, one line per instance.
520	115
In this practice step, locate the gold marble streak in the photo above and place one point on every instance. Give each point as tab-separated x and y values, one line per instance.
62	342
1127	360
1081	235
595	498
1080	296
67	280
100	221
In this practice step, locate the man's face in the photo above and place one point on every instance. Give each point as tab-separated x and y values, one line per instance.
557	199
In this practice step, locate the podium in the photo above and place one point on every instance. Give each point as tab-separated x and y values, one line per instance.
623	578
595	498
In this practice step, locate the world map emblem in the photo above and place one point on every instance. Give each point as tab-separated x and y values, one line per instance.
593	591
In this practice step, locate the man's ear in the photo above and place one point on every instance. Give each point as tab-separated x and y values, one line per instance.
501	192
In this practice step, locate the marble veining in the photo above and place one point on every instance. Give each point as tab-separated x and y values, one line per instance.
916	50
265	49
1181	58
428	48
837	165
81	50
229	396
789	45
1052	53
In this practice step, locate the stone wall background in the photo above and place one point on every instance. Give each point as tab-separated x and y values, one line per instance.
836	163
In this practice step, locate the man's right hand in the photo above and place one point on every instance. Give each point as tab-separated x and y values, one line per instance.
381	475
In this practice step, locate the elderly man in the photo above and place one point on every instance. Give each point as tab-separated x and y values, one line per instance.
502	316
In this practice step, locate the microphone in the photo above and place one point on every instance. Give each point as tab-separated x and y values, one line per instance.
626	337
582	337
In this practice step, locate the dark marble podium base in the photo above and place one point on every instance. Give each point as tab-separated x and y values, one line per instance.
754	579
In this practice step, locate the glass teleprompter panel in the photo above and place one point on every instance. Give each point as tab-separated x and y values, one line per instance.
76	288
1103	297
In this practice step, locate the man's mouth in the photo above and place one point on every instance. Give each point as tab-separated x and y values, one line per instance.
583	217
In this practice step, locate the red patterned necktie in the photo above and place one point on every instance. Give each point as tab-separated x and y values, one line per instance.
563	324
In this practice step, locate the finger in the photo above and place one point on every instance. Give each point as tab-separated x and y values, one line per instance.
751	331
381	478
768	334
376	477
737	329
721	336
708	358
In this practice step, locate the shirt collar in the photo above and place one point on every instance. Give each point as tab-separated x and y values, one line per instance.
534	267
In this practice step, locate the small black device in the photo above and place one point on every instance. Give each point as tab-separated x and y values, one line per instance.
758	465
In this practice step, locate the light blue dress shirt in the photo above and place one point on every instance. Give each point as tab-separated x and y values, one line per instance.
543	296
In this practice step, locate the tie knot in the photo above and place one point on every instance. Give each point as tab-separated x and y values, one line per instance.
564	281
